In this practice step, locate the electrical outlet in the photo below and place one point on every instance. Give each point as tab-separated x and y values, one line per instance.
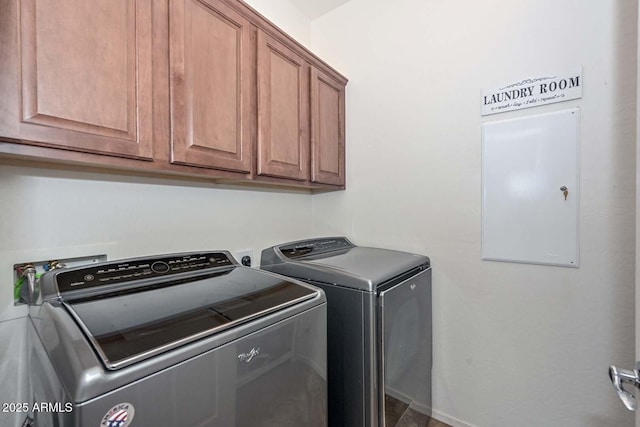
246	255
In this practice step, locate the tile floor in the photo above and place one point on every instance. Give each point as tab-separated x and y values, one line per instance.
436	423
398	414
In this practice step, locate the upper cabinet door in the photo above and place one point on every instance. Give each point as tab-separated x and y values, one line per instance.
283	111
85	68
327	129
212	76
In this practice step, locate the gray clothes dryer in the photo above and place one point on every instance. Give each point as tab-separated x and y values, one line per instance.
379	327
179	340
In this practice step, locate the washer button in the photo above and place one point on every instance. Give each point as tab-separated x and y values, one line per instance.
160	267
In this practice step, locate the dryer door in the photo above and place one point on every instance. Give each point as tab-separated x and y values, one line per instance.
405	363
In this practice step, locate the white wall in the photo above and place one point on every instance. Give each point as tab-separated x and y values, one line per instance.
51	211
285	15
515	345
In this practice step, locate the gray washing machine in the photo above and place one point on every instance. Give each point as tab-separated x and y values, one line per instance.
379	327
179	340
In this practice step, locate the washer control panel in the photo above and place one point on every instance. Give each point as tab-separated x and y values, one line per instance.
139	268
315	247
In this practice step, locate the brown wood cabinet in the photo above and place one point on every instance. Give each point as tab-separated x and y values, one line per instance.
327	129
211	85
283	111
301	117
79	76
204	88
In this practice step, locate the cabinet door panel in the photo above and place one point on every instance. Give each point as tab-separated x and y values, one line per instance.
327	129
283	111
86	75
210	85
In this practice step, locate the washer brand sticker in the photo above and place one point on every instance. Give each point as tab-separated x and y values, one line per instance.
120	415
248	357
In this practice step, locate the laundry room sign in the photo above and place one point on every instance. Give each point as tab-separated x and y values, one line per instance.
532	92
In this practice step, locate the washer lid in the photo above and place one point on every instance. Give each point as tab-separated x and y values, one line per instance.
133	324
337	261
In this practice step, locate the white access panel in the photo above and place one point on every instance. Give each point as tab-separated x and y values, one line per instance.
525	163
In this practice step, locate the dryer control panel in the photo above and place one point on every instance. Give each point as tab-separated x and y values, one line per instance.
315	247
129	270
